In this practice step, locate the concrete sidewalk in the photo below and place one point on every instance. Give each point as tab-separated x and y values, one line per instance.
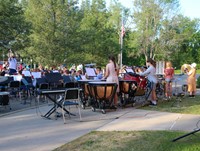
27	130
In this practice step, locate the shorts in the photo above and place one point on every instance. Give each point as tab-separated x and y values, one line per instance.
168	80
153	85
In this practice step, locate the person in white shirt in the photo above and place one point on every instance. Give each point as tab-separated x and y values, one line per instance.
151	76
12	65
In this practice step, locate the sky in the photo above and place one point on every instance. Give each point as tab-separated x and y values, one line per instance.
189	8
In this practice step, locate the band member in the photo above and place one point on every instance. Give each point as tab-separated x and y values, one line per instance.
168	74
111	75
191	81
12	61
150	73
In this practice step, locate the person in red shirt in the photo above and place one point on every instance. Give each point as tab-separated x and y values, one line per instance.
169	75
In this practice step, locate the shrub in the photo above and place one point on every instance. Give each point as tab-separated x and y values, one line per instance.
198	82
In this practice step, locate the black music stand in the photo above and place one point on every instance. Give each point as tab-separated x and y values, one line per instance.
190	133
55	80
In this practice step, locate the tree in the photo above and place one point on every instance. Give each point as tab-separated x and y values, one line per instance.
187	48
54	24
13	27
148	19
99	36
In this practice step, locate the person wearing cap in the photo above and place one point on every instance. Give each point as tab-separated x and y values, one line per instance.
191	81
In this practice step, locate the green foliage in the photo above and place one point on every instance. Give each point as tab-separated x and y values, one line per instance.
63	32
13	27
60	31
198	82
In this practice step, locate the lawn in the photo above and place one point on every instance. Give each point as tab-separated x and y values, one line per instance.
133	141
143	140
186	105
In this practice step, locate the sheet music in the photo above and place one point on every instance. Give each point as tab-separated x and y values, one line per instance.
17	77
90	72
26	73
83	77
129	70
36	74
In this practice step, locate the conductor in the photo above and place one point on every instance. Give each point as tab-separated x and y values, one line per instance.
12	61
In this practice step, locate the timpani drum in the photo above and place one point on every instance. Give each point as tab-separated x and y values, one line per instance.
83	84
4	99
102	94
127	92
141	83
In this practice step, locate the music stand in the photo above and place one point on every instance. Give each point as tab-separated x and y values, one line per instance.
54	79
90	72
190	133
177	94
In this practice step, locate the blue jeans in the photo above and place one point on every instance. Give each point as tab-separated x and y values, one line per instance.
12	71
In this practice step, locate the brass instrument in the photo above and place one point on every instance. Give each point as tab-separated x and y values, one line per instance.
185	67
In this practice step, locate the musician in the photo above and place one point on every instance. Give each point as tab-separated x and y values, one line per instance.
3	72
151	76
191	81
12	64
168	74
111	75
99	73
78	75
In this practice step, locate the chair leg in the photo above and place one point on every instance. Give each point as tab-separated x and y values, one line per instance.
63	113
79	110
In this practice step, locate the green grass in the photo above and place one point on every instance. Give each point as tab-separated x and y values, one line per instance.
187	105
133	141
143	140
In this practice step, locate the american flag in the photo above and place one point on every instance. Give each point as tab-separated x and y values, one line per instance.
122	31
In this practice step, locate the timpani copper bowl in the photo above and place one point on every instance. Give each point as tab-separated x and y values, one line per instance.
102	94
84	95
127	91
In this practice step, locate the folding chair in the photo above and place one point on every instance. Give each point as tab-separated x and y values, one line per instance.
27	89
41	84
14	87
71	98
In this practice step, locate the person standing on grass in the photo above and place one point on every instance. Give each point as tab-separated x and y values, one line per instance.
191	81
169	75
151	76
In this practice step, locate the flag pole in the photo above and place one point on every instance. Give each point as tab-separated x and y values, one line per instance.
121	40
